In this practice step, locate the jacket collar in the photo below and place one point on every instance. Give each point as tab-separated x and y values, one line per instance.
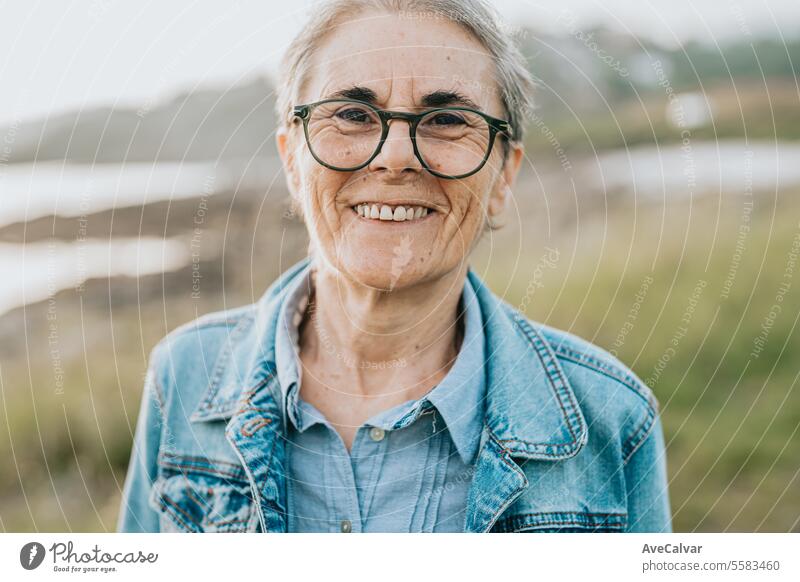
531	409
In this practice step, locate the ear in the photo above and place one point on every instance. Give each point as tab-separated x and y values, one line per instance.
506	179
285	144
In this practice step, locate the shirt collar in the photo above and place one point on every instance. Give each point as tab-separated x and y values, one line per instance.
287	358
531	409
459	398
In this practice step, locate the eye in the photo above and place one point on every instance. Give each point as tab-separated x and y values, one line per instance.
354	115
445	119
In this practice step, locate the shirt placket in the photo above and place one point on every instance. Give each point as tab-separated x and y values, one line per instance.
418	462
426	507
368	458
345	516
444	450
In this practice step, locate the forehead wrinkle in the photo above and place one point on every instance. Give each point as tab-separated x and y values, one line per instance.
429	85
331	68
462	77
401	35
413	91
393	71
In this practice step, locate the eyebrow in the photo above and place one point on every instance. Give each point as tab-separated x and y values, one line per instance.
436	99
358	93
448	98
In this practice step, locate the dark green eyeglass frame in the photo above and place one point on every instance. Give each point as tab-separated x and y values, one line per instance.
495	126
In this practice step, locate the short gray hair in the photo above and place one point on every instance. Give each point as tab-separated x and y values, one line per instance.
514	80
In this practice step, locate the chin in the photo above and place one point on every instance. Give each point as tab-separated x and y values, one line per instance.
381	270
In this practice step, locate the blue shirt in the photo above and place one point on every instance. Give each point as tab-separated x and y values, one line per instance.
410	467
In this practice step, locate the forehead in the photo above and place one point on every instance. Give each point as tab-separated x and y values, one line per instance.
402	57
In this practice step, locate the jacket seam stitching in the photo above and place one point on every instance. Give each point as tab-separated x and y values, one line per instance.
169	501
590	513
503	448
238	520
646	428
269	464
220	363
206	471
558	389
506	458
561	524
631	444
554	445
572	520
594	364
528	330
191	494
200	459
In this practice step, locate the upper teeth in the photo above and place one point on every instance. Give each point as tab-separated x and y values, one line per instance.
387	212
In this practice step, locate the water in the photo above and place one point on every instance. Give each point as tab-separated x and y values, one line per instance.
30	191
35	271
726	167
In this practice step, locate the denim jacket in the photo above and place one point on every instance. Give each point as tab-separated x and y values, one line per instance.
571	440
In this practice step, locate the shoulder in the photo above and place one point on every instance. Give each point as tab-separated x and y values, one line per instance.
193	347
207	330
612	397
571	349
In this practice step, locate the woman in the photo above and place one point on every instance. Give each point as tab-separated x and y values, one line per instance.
379	385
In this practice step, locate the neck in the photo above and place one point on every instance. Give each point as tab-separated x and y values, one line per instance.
401	342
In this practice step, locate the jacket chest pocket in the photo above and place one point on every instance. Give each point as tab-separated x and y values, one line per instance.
198	494
562	522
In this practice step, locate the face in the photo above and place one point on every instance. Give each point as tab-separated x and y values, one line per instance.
388	60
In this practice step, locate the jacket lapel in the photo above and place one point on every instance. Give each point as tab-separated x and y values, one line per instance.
255	433
243	390
531	410
497	482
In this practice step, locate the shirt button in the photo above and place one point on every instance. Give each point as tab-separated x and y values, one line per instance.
346	526
376	433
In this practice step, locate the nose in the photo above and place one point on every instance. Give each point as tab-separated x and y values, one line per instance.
396	157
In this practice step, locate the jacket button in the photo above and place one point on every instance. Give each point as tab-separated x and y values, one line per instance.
376	433
346	526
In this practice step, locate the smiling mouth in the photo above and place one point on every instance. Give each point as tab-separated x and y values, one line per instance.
392	212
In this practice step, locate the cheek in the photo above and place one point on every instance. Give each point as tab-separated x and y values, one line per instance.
467	201
320	190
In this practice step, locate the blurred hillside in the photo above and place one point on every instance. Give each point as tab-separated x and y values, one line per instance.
205	124
615	91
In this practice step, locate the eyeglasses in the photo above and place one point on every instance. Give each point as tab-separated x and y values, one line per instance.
449	142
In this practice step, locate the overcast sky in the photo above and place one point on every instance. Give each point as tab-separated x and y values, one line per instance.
57	55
